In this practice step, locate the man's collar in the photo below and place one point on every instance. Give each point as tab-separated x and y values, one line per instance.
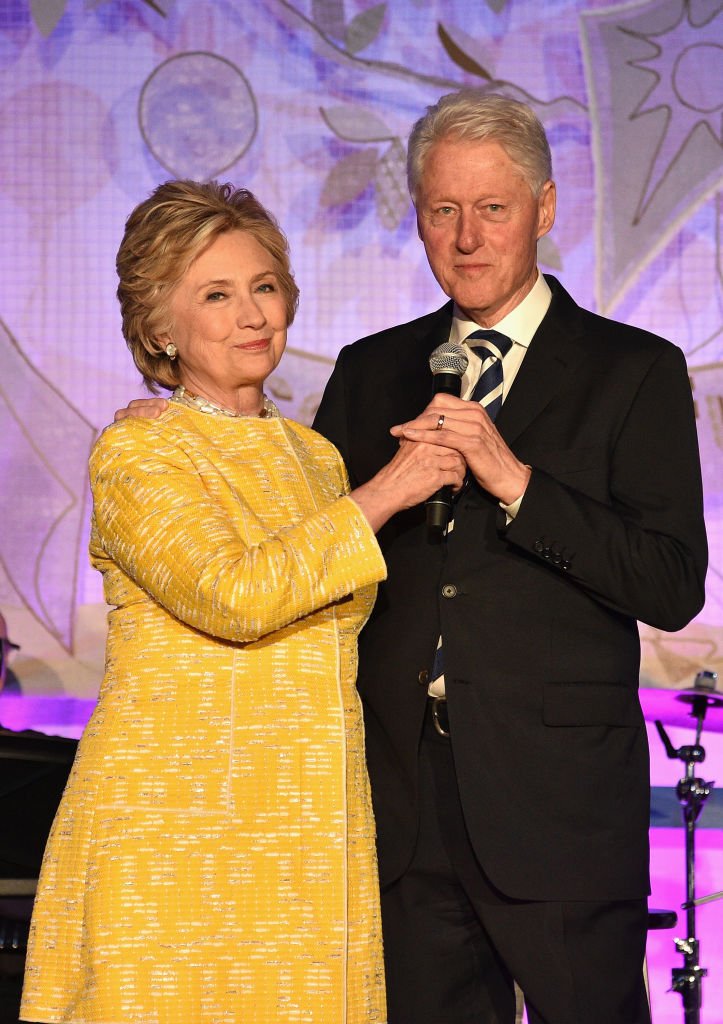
520	324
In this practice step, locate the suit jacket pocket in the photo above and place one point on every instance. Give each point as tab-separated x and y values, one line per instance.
589	703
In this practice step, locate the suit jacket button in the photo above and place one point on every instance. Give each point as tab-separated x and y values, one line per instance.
538	546
423	677
556	557
566	563
449	590
546	552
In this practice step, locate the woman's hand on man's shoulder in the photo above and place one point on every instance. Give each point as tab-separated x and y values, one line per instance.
146	408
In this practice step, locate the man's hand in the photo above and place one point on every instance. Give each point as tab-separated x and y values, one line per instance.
147	408
467	428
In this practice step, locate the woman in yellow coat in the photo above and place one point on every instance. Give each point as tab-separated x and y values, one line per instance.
212	860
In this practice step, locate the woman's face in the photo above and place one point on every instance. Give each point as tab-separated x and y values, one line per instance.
229	320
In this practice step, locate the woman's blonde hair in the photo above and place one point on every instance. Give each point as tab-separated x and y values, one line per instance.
163	236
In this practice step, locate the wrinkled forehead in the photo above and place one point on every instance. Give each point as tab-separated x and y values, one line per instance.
469	165
470	171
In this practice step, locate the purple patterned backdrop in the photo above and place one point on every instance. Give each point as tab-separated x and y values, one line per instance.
308	103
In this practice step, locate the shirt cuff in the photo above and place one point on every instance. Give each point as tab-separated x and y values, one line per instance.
512	509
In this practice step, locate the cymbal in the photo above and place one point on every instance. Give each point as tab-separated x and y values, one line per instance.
675	707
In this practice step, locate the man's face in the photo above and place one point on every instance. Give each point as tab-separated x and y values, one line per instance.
480	223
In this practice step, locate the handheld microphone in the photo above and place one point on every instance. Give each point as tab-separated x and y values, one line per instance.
447	363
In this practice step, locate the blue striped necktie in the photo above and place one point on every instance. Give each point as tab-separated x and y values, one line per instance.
491	347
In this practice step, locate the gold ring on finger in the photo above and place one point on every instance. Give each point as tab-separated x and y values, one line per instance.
440	421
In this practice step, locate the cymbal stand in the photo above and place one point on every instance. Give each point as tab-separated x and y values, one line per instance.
692	792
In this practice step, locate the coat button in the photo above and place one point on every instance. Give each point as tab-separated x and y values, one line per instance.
565	564
538	546
556	557
449	590
423	677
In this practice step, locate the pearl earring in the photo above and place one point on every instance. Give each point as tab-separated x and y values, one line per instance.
171	350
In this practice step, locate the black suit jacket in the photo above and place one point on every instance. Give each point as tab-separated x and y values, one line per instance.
541	643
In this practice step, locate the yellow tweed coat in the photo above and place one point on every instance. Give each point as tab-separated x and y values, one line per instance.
212	860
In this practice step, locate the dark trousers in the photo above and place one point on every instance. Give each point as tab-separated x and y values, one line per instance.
454	945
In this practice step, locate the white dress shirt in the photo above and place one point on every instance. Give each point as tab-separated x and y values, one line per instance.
520	326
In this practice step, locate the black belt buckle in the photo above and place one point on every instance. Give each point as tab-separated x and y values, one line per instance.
440	715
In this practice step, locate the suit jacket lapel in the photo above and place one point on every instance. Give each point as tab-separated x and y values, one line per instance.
547	368
394	386
413	363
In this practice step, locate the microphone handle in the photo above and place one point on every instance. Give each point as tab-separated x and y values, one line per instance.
439	510
439	505
447	384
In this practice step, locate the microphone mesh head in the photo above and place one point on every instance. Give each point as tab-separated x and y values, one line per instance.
448	358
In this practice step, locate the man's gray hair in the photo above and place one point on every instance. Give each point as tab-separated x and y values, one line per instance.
476	115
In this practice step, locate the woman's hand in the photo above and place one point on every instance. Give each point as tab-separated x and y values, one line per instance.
465	427
415	472
146	408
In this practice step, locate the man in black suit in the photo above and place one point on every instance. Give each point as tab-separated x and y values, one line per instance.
509	768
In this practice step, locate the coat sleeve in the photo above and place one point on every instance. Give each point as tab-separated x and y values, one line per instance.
643	552
155	519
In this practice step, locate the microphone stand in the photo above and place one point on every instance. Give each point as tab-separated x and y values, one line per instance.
692	792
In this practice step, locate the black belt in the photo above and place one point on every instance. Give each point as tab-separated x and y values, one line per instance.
437	707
